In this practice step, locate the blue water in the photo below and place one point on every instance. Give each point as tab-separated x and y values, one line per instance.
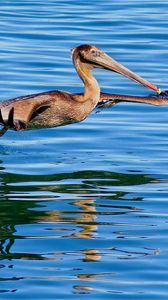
83	208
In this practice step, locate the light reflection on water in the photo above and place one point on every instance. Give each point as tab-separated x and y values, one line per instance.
83	208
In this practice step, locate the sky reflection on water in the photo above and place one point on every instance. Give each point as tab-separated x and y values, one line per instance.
83	208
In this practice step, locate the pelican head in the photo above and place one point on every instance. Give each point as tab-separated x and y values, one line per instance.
96	58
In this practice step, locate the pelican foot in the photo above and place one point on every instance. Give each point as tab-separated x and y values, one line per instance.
3	131
19	125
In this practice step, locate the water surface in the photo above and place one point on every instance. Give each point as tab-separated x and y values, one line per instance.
83	208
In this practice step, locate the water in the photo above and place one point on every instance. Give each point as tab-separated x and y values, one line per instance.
83	208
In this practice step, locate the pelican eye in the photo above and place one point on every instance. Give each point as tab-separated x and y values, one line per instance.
95	53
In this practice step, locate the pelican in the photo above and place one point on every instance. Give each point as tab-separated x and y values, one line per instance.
57	108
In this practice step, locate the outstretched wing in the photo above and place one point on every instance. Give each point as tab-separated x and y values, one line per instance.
160	99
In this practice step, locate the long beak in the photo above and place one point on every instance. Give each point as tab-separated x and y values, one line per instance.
109	63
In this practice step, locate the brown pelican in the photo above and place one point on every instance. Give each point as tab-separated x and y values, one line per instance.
56	108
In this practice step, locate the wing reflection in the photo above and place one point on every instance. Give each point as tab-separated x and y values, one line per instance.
68	205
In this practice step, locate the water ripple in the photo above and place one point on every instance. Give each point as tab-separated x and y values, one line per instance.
84	206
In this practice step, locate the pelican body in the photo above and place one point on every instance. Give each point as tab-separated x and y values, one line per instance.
57	108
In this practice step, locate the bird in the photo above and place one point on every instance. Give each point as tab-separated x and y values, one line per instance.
58	108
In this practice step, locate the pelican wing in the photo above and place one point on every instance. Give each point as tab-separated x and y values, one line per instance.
17	113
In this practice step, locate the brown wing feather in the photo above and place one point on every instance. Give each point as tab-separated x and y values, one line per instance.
23	108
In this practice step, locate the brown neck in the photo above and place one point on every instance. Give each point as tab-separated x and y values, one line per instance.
92	89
